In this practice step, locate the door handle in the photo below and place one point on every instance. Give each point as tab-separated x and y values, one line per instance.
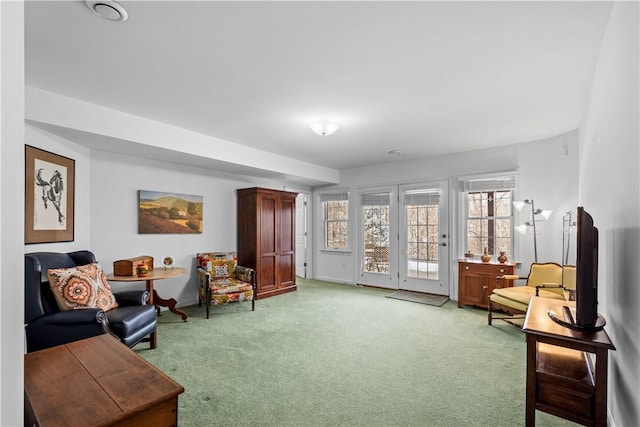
443	244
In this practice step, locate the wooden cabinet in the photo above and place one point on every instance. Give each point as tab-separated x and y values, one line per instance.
97	381
561	377
266	238
476	280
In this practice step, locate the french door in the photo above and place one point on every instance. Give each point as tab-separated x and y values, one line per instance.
404	237
424	238
378	237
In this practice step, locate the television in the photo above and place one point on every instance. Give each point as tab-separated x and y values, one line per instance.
579	274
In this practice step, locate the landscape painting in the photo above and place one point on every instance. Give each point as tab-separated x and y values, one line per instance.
169	213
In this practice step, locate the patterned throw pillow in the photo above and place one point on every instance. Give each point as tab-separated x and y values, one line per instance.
83	286
221	268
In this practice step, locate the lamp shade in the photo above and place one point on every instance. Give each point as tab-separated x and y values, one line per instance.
521	229
324	127
546	213
518	205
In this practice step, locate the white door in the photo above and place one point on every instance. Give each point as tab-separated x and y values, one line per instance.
378	243
424	238
301	235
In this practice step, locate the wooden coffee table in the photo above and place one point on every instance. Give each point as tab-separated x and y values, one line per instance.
158	273
97	381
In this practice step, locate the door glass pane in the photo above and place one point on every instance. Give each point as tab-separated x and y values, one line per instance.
376	235
422	241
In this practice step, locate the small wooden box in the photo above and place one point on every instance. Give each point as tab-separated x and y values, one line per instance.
127	267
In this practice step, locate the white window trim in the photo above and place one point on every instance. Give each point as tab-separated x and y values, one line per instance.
463	205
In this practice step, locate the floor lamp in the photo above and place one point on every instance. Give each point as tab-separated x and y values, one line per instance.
522	228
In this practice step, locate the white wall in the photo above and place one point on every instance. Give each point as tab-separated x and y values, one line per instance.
115	181
12	212
547	172
610	192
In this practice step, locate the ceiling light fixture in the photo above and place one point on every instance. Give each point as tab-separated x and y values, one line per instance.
324	127
108	9
395	152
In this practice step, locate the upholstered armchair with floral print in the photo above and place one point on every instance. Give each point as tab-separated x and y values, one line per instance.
221	280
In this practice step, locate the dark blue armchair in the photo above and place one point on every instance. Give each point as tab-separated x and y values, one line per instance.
47	326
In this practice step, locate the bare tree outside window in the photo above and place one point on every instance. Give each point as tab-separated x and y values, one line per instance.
489	221
336	214
422	241
376	238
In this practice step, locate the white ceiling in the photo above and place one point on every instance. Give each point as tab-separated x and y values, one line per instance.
425	78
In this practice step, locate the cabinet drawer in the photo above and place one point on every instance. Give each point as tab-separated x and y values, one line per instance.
494	269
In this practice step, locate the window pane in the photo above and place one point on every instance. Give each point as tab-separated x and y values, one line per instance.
502	245
489	223
502	203
336	223
503	228
475	205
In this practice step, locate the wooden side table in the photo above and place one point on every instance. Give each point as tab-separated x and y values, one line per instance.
97	381
561	379
158	273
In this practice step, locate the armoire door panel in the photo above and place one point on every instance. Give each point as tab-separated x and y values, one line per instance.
287	226
267	274
287	269
268	226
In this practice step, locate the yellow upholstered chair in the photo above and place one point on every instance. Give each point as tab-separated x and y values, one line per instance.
544	280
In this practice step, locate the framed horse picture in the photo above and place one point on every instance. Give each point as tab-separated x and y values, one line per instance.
48	193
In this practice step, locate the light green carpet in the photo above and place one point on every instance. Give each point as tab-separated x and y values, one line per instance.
340	355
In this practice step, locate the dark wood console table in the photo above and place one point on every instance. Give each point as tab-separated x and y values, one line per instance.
97	381
158	273
561	378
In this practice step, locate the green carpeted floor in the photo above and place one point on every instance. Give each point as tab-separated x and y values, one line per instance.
340	355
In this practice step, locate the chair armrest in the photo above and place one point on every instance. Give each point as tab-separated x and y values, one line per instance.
74	317
245	274
548	286
133	297
501	279
203	276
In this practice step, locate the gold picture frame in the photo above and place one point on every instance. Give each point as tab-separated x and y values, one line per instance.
49	188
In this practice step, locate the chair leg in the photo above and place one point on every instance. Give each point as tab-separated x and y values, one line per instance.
153	339
207	297
489	318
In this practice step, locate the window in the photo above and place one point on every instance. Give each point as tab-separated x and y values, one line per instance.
376	227
489	214
336	220
423	243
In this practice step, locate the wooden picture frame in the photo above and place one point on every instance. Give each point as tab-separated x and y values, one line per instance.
49	188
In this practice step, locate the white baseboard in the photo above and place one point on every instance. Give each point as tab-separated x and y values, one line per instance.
334	280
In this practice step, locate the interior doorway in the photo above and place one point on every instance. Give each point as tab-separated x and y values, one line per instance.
302	234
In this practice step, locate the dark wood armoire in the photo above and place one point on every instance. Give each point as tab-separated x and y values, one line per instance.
266	238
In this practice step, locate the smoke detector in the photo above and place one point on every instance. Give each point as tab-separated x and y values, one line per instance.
108	9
